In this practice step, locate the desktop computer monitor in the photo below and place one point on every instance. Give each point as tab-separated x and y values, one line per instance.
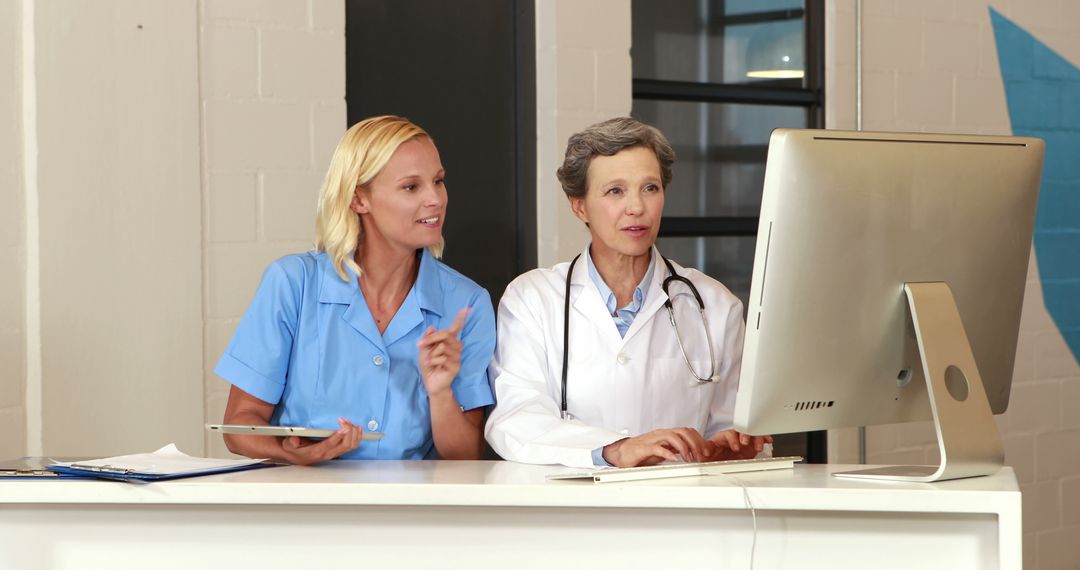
887	287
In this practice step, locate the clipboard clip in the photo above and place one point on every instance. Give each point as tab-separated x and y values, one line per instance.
108	469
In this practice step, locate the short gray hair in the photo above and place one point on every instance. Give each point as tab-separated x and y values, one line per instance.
607	139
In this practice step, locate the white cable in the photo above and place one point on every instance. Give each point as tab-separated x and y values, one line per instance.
753	514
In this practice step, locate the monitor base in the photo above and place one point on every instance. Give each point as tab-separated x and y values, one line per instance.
967	435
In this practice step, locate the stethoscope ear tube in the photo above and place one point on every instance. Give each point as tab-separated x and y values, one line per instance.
566	335
672	276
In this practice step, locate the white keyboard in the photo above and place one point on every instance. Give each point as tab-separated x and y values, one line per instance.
667	470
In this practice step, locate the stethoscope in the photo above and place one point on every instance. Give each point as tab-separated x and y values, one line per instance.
672	276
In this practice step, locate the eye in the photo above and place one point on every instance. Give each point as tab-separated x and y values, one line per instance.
615	190
652	188
409	187
440	181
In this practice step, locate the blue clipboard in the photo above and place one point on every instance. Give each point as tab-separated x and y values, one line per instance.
161	465
120	473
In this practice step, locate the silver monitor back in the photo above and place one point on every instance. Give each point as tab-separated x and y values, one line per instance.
847	218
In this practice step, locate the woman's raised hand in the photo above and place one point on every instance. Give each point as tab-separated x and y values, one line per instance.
440	355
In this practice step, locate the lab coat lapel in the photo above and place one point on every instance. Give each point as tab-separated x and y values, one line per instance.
586	302
654	297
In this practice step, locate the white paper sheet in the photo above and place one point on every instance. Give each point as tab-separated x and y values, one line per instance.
166	461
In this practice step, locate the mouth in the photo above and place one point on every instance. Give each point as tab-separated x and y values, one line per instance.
636	231
432	222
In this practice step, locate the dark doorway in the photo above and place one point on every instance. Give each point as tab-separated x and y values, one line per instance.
465	72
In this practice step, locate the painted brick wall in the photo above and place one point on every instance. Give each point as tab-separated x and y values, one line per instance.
934	67
272	96
12	238
583	77
106	83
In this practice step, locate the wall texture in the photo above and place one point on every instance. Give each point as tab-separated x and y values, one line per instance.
583	76
179	148
12	237
272	76
938	67
117	169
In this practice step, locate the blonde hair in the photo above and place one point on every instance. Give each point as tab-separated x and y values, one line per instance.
360	156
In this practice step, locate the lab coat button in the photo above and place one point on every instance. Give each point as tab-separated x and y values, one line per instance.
623	358
372	425
378	360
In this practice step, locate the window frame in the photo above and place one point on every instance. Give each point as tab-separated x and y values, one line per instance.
808	93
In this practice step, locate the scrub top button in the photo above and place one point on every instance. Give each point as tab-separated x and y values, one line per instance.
377	360
372	425
623	358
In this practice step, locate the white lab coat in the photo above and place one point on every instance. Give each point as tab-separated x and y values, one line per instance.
617	386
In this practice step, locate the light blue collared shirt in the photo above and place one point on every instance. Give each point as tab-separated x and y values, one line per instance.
309	345
623	317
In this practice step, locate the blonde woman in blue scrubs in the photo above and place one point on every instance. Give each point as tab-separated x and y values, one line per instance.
370	331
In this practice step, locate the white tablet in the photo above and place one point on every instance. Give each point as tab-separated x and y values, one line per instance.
283	431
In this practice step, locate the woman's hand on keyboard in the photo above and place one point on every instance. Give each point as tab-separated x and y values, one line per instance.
657	446
730	444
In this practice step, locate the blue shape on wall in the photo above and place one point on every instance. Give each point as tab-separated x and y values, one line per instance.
1043	93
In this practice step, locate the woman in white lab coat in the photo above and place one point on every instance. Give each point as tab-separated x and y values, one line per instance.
630	397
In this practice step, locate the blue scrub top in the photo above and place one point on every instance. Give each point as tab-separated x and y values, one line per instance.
309	344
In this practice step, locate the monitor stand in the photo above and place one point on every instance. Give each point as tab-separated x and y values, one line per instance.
966	432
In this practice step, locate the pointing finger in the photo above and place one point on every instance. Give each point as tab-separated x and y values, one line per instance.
459	321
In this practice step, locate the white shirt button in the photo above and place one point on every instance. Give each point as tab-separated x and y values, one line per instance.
372	425
378	360
623	358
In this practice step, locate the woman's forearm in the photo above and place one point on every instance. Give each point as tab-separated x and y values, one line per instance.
254	446
245	409
457	434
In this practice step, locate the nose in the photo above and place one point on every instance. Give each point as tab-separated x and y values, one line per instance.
634	204
435	196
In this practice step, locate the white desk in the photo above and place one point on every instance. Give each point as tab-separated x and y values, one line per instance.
437	514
